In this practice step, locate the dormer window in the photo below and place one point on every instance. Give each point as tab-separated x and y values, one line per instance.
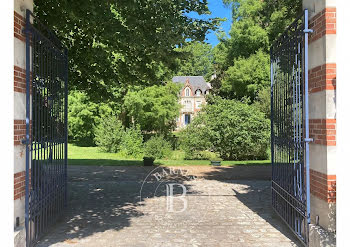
187	92
198	92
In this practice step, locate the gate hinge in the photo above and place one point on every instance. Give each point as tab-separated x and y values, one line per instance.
309	139
24	141
308	30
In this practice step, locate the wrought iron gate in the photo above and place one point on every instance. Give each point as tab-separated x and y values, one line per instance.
46	128
290	127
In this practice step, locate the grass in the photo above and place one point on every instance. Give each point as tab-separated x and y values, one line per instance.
93	156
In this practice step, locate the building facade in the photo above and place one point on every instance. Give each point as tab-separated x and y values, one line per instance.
192	97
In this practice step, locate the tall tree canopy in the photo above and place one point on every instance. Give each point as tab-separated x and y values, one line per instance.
197	60
256	24
154	108
115	44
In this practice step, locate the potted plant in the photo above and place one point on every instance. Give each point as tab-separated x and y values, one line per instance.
216	162
148	161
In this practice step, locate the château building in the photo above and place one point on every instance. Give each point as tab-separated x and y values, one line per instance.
192	97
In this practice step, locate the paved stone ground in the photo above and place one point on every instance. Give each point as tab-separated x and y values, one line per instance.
107	207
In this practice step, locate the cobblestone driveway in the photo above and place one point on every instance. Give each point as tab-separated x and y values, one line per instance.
106	208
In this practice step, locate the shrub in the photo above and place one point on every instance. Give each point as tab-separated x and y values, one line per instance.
109	134
157	147
132	142
234	130
194	139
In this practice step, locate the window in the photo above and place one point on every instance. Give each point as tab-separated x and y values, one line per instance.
198	93
187	91
187	119
198	104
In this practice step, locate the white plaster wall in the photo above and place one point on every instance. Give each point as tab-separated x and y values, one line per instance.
323	51
322	105
19	106
19	211
325	211
323	159
315	6
27	4
19	53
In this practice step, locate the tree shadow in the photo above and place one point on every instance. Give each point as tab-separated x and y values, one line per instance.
256	194
107	199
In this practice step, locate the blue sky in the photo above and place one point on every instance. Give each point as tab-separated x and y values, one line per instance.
218	9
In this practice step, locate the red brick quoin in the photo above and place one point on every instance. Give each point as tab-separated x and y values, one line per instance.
20	130
323	131
322	78
323	23
20	184
19	24
323	186
19	79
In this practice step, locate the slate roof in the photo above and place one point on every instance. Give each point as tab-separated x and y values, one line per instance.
197	82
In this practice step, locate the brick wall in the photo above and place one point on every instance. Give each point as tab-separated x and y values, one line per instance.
19	184
323	23
19	80
20	130
323	131
19	24
322	78
323	186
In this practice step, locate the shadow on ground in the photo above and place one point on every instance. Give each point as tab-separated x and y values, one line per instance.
256	196
108	197
102	198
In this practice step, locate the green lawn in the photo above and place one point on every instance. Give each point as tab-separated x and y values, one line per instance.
93	156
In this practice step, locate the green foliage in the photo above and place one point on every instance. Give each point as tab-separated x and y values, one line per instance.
132	142
247	76
256	24
82	115
116	44
194	138
157	147
230	128
263	102
154	108
197	61
109	134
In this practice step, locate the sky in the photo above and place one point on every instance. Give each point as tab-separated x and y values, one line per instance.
218	9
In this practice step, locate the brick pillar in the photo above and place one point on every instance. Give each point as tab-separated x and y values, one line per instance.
322	107
19	106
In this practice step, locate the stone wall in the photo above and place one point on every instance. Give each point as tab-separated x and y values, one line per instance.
19	106
322	104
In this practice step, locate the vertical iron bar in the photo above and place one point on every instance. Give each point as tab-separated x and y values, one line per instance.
27	124
66	123
306	62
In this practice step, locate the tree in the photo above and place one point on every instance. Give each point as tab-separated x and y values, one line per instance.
114	45
256	24
198	60
154	108
247	77
82	116
109	134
